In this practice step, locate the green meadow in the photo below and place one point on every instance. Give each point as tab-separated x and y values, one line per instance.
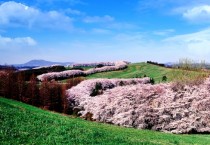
25	124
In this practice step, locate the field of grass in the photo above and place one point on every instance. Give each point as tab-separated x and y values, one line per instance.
24	124
137	70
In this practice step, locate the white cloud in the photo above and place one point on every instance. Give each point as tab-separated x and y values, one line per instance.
198	14
97	19
25	40
17	14
7	42
196	43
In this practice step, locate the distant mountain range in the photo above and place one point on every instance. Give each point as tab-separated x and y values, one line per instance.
36	63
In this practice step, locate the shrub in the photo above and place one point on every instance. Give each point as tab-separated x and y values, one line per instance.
121	83
97	90
164	78
100	65
152	81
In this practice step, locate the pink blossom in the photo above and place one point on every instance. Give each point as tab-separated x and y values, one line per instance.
93	64
58	75
117	66
70	73
145	106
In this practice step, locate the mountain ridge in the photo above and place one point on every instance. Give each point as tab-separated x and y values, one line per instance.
41	62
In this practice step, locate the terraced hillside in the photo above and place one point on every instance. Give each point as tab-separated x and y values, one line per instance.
24	124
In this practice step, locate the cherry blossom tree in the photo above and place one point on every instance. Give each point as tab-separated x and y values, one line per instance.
144	106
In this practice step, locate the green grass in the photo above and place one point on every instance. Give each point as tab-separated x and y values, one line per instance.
24	124
139	70
135	70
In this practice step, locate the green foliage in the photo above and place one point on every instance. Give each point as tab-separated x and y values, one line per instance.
164	78
152	81
24	124
97	90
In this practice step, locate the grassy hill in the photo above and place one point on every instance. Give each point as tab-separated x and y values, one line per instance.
24	124
141	69
135	70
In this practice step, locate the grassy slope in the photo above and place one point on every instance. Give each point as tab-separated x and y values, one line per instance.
135	70
141	69
24	124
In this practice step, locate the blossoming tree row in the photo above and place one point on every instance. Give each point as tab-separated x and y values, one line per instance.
73	73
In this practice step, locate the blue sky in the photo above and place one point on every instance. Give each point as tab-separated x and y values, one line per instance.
105	30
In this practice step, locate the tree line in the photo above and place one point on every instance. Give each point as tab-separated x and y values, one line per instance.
48	95
156	63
